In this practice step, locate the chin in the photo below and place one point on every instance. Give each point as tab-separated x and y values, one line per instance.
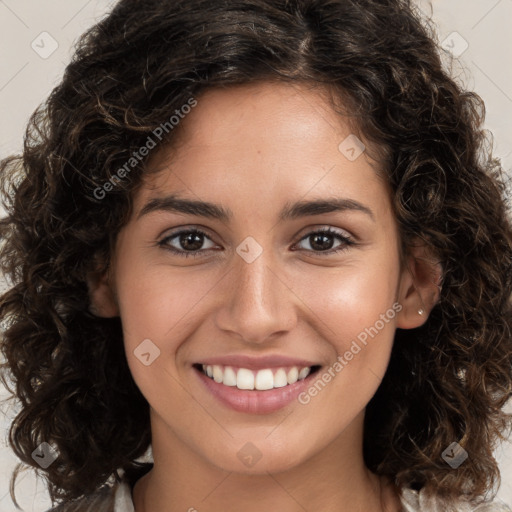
259	457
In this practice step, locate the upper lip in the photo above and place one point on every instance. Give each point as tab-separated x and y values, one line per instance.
257	363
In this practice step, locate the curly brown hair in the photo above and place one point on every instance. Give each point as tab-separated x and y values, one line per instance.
446	381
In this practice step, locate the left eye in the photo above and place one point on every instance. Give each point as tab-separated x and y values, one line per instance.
322	240
191	242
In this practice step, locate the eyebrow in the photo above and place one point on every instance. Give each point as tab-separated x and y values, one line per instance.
291	211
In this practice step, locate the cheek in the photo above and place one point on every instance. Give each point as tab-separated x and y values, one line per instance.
353	297
159	301
158	312
160	304
356	308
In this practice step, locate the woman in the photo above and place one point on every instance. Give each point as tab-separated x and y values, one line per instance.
263	239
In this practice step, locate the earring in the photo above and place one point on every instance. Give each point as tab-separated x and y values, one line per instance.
420	311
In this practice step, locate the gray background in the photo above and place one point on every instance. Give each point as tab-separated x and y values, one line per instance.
478	30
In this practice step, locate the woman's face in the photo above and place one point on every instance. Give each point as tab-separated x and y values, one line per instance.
260	287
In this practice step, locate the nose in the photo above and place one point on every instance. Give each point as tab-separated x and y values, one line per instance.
257	303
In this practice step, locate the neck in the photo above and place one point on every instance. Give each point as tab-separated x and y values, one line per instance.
334	480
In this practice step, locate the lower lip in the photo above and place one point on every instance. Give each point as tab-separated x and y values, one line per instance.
254	401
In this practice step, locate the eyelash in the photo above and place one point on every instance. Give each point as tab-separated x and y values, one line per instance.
347	242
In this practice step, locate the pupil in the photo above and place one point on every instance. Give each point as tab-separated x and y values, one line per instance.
195	239
320	239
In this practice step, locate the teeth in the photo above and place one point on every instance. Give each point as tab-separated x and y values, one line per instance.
293	375
218	375
304	373
260	380
244	379
280	379
264	380
229	377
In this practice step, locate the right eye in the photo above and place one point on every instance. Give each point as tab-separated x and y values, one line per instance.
190	240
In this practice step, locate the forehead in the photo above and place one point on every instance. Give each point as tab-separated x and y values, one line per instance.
267	142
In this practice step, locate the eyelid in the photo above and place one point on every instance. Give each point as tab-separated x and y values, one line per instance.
327	227
170	232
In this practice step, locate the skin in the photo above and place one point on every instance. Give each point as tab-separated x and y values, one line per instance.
262	146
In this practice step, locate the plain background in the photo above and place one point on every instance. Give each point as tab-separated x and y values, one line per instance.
478	30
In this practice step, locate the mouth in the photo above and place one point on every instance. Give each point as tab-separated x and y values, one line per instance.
256	380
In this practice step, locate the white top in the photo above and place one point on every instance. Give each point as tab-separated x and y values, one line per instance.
412	501
123	502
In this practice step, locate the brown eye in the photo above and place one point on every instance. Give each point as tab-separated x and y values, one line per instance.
186	242
322	241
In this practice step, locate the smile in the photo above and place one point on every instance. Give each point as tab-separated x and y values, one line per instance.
257	391
267	378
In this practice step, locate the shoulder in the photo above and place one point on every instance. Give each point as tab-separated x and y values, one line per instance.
416	501
100	501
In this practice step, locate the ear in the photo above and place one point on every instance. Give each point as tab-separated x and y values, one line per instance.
420	286
102	295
